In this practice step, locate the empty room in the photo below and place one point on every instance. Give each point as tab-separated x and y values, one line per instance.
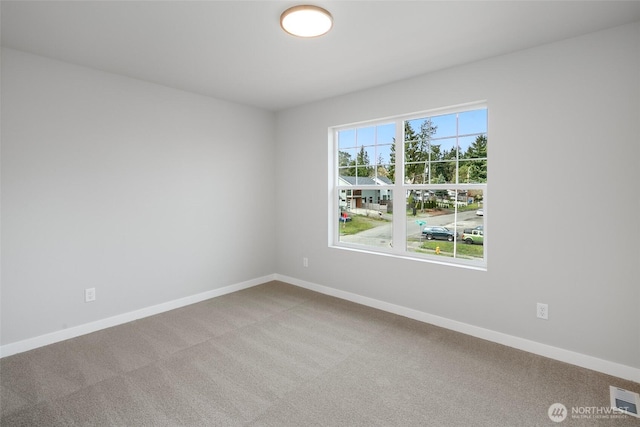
390	213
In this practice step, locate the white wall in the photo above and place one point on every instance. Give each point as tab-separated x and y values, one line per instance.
134	189
563	132
146	193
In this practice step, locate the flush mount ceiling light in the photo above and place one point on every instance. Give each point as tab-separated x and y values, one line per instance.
306	21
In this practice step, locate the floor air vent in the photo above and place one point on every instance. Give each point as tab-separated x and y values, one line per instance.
625	401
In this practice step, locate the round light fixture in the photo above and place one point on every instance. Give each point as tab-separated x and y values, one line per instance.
306	21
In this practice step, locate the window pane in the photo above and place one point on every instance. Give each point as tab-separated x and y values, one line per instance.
443	172
445	125
423	129
470	225
347	138
383	153
369	151
383	174
386	133
343	173
366	157
354	180
443	149
472	171
419	150
364	218
472	122
384	165
431	222
473	147
346	157
446	223
366	136
416	173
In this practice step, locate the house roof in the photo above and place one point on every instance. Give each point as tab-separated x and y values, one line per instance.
384	180
361	180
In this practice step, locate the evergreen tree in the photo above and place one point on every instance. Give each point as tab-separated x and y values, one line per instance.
477	169
477	149
381	170
392	161
363	168
417	152
426	153
344	159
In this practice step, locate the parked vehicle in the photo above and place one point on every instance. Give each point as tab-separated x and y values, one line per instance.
473	236
439	233
480	212
478	227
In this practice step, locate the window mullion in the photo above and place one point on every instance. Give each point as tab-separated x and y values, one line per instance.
399	226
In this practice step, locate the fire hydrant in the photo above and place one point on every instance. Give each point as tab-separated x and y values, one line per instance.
437	250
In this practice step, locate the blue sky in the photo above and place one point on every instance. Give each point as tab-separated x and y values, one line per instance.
377	140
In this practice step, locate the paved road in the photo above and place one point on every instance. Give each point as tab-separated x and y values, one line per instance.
381	236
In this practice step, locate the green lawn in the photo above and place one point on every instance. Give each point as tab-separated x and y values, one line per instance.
359	223
446	248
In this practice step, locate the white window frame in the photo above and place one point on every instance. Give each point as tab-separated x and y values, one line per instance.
399	190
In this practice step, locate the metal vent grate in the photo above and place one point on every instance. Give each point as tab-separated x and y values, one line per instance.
625	401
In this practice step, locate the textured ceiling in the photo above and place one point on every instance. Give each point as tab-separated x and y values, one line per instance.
237	51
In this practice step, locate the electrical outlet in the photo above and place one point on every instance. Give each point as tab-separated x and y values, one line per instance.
305	262
89	294
542	311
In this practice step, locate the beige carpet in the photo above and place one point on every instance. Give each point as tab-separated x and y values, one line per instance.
278	355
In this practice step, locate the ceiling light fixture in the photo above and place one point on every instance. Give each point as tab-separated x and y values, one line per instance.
306	21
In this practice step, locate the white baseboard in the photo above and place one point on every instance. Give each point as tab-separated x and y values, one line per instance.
556	353
65	334
567	356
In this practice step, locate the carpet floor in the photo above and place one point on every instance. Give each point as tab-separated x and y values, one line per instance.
280	355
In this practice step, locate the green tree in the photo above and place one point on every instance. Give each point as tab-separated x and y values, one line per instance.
477	167
418	152
392	160
381	169
423	152
363	167
413	153
477	149
344	158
